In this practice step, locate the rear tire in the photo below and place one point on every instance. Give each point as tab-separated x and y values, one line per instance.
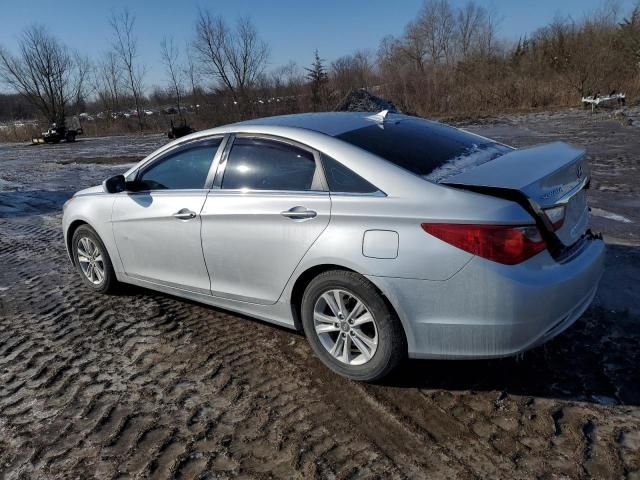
92	260
350	326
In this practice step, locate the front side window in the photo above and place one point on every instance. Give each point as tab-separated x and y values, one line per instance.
185	169
262	164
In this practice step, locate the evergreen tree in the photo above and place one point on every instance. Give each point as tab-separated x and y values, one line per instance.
317	76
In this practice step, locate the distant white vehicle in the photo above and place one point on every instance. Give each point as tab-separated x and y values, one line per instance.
607	100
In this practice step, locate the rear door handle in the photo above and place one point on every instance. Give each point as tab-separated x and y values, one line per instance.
184	214
299	213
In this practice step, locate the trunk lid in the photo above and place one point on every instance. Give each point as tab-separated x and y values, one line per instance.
549	175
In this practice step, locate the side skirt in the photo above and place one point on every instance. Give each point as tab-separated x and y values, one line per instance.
278	313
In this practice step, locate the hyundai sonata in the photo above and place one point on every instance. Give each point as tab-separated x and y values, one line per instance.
380	236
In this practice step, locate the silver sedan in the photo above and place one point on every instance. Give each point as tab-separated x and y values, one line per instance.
381	236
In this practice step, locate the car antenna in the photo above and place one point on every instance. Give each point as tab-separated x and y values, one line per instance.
380	116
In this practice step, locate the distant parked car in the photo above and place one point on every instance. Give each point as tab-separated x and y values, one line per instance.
380	236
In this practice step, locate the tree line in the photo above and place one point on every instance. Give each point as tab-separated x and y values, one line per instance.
448	61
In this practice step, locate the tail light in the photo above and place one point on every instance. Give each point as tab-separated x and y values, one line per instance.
555	216
505	244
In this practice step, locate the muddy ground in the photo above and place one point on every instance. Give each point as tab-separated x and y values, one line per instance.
143	384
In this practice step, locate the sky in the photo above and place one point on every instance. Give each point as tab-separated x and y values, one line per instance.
293	28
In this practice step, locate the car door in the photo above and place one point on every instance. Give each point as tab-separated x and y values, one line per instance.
268	205
157	226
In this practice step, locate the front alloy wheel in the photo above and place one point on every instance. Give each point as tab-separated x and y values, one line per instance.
91	260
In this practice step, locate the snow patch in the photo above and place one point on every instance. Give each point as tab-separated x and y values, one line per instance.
472	157
598	212
6	185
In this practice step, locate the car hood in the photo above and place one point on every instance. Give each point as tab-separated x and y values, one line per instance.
90	191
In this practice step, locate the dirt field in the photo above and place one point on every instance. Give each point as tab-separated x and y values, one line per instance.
142	384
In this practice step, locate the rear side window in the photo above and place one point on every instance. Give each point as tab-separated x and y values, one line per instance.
417	145
343	180
262	164
185	169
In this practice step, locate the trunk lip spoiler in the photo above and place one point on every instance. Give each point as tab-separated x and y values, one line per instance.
484	173
556	248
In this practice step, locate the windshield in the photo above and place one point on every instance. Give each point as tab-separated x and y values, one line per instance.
424	147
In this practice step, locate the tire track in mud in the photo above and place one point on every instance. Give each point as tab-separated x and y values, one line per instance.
145	385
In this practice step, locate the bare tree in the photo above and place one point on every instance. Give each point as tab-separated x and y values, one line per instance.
108	81
630	36
125	45
83	88
44	72
235	57
288	76
488	32
436	24
579	52
191	71
169	54
414	45
471	20
352	71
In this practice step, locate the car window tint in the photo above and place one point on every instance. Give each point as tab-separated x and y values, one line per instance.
186	169
420	146
260	164
343	180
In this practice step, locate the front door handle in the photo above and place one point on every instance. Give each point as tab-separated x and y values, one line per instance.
299	213
184	214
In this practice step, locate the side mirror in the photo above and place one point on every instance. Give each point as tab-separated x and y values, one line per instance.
115	184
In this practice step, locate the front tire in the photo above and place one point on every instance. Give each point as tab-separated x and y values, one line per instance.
350	326
92	260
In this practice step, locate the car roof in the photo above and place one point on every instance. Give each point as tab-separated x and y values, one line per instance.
329	123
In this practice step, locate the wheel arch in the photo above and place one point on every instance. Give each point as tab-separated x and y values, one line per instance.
73	226
310	273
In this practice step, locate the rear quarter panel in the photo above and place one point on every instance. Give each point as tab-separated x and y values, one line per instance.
420	255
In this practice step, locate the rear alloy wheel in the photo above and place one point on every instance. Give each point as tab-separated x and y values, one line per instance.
92	260
345	327
350	326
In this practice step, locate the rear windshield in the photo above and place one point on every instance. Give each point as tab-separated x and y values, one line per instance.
420	146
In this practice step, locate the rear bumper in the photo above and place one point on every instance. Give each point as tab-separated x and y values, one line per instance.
490	310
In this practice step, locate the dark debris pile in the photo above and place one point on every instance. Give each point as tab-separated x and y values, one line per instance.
362	101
